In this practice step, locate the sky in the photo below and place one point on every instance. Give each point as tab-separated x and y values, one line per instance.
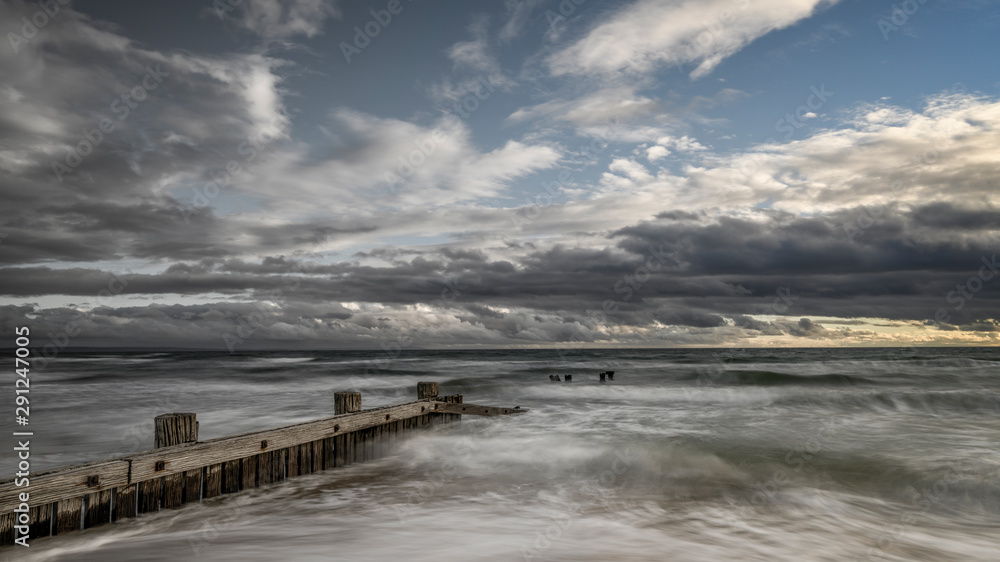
250	174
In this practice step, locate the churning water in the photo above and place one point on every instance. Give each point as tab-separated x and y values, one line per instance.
796	454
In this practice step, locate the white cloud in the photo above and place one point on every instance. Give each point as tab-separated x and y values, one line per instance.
944	153
657	152
280	19
650	33
594	108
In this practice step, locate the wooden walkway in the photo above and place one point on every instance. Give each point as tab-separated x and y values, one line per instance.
182	469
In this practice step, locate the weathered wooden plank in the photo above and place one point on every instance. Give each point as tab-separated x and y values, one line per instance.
264	468
192	486
40	520
316	455
476	410
249	468
338	450
329	453
97	508
231	477
7	529
293	460
68	515
125	502
213	480
190	456
66	483
278	460
173	491
150	494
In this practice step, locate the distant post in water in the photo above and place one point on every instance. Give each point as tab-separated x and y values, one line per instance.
174	429
346	402
426	390
569	378
603	376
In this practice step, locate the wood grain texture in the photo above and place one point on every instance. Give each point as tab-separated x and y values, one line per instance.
346	402
190	456
476	410
192	486
7	529
125	502
293	460
213	481
174	429
97	508
68	513
231	477
150	494
65	483
173	491
249	470
40	520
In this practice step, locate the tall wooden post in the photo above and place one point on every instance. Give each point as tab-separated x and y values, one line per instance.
346	402
174	429
426	390
174	490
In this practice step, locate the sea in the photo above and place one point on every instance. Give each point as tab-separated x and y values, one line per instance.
686	455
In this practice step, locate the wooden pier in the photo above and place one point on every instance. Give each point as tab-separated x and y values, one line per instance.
182	469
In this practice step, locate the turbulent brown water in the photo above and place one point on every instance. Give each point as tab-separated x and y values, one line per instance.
687	455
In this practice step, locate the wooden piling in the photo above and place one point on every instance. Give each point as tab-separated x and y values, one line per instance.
426	390
174	429
346	402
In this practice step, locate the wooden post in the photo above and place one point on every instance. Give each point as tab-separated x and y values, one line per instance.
171	429
426	390
174	429
346	402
